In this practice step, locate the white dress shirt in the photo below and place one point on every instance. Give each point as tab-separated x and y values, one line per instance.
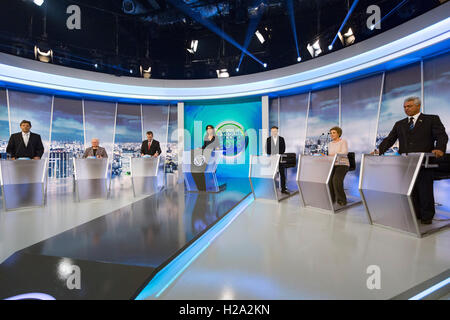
275	139
26	138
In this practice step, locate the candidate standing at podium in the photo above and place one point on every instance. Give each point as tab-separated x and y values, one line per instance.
150	146
341	166
275	145
419	133
25	144
95	150
210	141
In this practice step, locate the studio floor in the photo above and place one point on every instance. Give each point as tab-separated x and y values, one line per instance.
269	251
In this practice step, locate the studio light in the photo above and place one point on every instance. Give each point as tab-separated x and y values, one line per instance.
330	47
42	55
146	73
193	47
38	2
314	49
237	69
260	36
222	73
299	59
348	38
265	65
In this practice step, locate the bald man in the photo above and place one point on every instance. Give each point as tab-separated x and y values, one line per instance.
95	150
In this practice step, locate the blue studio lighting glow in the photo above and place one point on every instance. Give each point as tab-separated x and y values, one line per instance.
164	278
355	2
290	6
434	38
430	290
211	26
388	14
254	21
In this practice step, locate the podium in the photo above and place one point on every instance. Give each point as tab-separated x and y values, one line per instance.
23	183
313	181
386	184
91	177
199	170
147	175
262	174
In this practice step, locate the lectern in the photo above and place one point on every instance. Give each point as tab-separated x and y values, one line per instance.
147	175
262	173
386	184
313	180
23	183
199	169
91	177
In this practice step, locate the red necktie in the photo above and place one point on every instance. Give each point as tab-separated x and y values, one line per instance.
149	144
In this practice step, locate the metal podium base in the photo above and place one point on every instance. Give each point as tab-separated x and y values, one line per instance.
221	188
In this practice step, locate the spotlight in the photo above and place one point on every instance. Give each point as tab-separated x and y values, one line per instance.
96	66
265	65
222	73
260	36
193	48
131	71
237	69
146	73
43	56
330	47
348	38
372	27
299	59
314	49
38	2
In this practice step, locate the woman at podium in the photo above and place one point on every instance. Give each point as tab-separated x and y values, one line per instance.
341	166
210	141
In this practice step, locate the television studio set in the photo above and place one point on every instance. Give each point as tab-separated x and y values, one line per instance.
215	150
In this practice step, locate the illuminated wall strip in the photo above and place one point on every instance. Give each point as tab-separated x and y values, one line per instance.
345	62
164	278
430	290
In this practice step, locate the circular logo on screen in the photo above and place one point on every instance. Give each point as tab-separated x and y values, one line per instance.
232	138
199	160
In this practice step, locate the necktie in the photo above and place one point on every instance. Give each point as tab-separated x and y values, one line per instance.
25	139
411	123
149	144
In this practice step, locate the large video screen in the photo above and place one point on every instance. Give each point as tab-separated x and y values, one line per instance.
238	127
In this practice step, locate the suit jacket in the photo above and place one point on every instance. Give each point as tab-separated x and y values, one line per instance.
210	144
279	148
16	146
153	148
100	152
428	134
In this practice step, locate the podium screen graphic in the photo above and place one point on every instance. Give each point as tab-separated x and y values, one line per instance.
237	126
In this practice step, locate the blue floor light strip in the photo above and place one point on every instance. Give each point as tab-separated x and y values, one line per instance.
430	290
164	278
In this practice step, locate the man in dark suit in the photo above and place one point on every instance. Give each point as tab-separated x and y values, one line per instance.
275	145
419	133
25	144
150	146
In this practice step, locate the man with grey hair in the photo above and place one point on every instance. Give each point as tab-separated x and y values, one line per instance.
95	150
419	133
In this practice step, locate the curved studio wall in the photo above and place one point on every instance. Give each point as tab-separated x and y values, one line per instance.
360	88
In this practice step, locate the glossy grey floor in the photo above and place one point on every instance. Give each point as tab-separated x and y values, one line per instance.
281	251
22	228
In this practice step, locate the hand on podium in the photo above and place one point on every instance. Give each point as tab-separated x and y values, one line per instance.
437	153
375	152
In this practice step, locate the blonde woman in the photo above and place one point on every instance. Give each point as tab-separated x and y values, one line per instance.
341	166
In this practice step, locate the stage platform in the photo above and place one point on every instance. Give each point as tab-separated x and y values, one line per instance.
119	252
282	251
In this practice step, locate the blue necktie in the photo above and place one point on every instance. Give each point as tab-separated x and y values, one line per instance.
411	123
